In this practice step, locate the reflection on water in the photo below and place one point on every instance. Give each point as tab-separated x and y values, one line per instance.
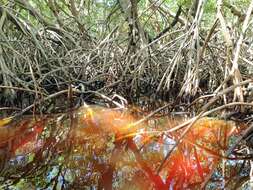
100	148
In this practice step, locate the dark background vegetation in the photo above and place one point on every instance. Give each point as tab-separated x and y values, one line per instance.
145	51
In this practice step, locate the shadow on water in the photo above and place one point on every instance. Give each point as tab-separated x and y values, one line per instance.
101	148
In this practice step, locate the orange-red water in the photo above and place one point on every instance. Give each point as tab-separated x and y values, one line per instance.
104	148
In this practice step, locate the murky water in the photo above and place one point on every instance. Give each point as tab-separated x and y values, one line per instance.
100	148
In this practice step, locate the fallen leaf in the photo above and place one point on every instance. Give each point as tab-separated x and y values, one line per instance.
5	121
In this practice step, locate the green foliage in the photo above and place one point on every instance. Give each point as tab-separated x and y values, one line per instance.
185	3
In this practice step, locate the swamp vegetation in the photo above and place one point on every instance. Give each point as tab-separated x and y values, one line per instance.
126	94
